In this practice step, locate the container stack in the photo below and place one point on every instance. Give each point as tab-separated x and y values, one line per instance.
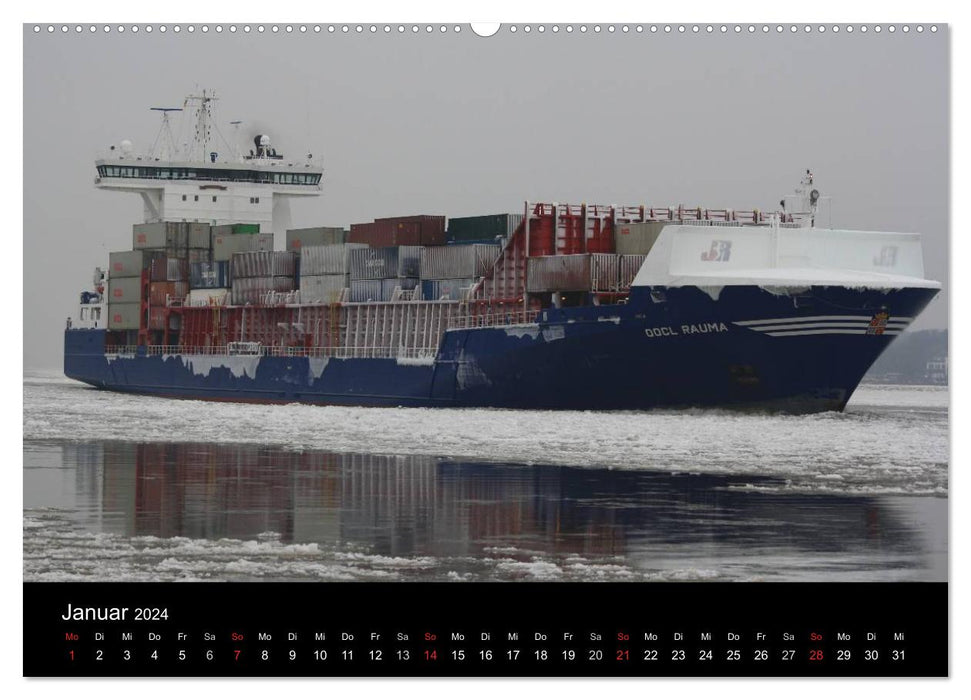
376	272
448	270
161	251
482	229
400	231
300	238
325	271
124	287
256	273
199	242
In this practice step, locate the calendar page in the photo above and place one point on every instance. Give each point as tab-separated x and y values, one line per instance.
525	349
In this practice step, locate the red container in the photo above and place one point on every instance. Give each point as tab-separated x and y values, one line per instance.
158	292
431	228
159	270
400	230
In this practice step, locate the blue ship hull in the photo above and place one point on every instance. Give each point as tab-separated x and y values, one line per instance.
743	348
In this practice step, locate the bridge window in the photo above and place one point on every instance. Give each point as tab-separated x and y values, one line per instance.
195	197
208	174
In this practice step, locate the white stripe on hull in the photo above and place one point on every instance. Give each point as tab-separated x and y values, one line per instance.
796	326
805	319
831	332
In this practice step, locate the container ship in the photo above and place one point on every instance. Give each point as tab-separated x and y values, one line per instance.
562	306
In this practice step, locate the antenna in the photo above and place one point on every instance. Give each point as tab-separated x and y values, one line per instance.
164	146
203	115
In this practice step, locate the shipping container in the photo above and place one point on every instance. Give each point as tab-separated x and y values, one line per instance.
233	229
199	236
322	289
224	246
431	228
163	234
124	317
166	269
159	293
638	238
327	259
300	238
629	265
384	263
384	234
403	230
178	270
405	283
482	228
499	241
199	255
207	297
365	290
158	270
130	263
252	290
206	275
445	289
457	261
266	263
585	272
124	290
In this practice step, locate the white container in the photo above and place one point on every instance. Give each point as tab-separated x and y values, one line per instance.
322	289
123	317
124	290
327	259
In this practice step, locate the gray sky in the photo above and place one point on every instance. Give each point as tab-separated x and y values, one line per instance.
460	125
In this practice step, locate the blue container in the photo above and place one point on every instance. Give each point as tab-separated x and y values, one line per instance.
203	275
384	263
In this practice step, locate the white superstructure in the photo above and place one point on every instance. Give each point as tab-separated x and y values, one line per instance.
208	179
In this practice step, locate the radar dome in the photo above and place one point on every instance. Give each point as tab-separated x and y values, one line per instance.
126	145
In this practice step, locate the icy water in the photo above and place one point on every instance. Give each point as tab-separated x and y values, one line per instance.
130	488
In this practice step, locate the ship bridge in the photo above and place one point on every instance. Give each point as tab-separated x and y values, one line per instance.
206	182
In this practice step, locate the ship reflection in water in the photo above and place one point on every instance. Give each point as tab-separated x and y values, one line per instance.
171	510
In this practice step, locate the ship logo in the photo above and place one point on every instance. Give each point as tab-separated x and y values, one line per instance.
720	251
878	324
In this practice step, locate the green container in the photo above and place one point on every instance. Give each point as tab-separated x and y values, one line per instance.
482	228
246	228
